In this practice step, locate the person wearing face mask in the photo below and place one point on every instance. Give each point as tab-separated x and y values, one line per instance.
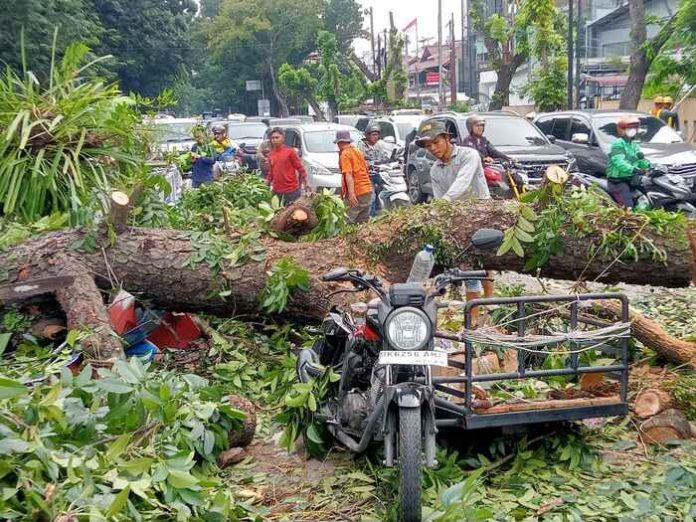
626	161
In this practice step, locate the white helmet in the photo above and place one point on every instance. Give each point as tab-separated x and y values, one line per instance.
473	120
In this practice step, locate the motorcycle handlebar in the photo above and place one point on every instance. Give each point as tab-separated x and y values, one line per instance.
470	274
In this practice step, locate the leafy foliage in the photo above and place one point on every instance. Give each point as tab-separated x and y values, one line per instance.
64	142
285	277
331	216
130	444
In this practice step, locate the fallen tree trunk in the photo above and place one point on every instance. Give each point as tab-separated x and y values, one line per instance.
668	425
156	264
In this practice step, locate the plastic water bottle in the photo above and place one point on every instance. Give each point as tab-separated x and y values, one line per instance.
422	265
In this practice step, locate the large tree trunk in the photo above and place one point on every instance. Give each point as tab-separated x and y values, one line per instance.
363	67
642	55
154	264
506	73
282	104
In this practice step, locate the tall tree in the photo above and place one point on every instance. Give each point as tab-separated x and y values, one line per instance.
502	39
148	38
264	34
643	52
38	20
344	18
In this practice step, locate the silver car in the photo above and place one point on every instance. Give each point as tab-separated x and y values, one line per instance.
315	145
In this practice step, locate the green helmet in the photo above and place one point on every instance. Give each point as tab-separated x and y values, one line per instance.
372	127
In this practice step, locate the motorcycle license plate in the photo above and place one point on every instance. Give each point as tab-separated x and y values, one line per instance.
413	358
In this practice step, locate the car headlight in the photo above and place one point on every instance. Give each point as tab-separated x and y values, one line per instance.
408	329
314	169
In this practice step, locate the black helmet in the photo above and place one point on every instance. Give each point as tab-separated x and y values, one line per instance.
372	127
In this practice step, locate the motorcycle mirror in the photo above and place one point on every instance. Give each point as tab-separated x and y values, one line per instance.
487	239
335	275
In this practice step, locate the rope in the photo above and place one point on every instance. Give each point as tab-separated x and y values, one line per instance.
527	343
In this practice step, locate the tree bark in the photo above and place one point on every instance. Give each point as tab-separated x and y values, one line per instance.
666	426
505	74
642	55
363	67
282	104
155	264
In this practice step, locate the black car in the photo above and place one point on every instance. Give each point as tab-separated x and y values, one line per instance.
589	135
508	132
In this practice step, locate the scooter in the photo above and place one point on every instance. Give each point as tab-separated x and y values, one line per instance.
394	190
503	181
656	189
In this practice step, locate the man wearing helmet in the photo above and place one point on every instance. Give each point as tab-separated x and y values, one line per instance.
476	124
665	111
221	143
625	161
375	151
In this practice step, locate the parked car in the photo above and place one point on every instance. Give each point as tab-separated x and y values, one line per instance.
172	134
508	132
315	145
394	129
589	134
359	121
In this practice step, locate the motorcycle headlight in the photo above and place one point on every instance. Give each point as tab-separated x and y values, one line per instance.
408	329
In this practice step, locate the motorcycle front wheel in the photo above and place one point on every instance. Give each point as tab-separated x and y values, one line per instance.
410	446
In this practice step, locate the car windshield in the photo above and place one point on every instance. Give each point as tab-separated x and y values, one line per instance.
323	141
169	132
513	132
652	130
238	132
405	128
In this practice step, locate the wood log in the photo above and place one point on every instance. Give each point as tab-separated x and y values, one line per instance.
120	206
669	425
156	264
297	219
653	335
652	401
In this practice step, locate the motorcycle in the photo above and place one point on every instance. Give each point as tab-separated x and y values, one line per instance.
657	189
390	183
503	181
387	392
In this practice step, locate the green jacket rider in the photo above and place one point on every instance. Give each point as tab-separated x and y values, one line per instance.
625	161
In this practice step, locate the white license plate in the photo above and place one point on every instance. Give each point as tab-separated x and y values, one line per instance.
413	358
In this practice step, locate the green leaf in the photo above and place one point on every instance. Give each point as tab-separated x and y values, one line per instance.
527	213
4	341
112	385
523	236
517	247
72	337
118	503
312	403
10	445
181	479
525	225
313	434
117	447
10	389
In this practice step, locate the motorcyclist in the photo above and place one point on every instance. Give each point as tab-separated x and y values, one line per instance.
223	146
668	114
626	162
476	125
376	151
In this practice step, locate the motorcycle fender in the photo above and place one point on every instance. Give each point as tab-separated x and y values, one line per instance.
399	195
409	398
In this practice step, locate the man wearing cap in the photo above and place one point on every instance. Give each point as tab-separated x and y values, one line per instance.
356	187
458	173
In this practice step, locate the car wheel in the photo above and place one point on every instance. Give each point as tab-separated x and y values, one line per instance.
414	191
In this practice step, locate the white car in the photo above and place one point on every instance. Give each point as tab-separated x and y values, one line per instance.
172	134
394	129
315	145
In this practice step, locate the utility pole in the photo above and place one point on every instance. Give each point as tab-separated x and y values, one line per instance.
440	90
385	52
465	58
372	40
379	56
418	90
578	52
570	54
453	64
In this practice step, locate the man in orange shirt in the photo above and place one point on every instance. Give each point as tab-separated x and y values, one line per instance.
356	187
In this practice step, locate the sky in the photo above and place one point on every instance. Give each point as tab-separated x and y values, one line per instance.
407	10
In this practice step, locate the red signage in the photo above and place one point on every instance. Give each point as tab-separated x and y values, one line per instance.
432	78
